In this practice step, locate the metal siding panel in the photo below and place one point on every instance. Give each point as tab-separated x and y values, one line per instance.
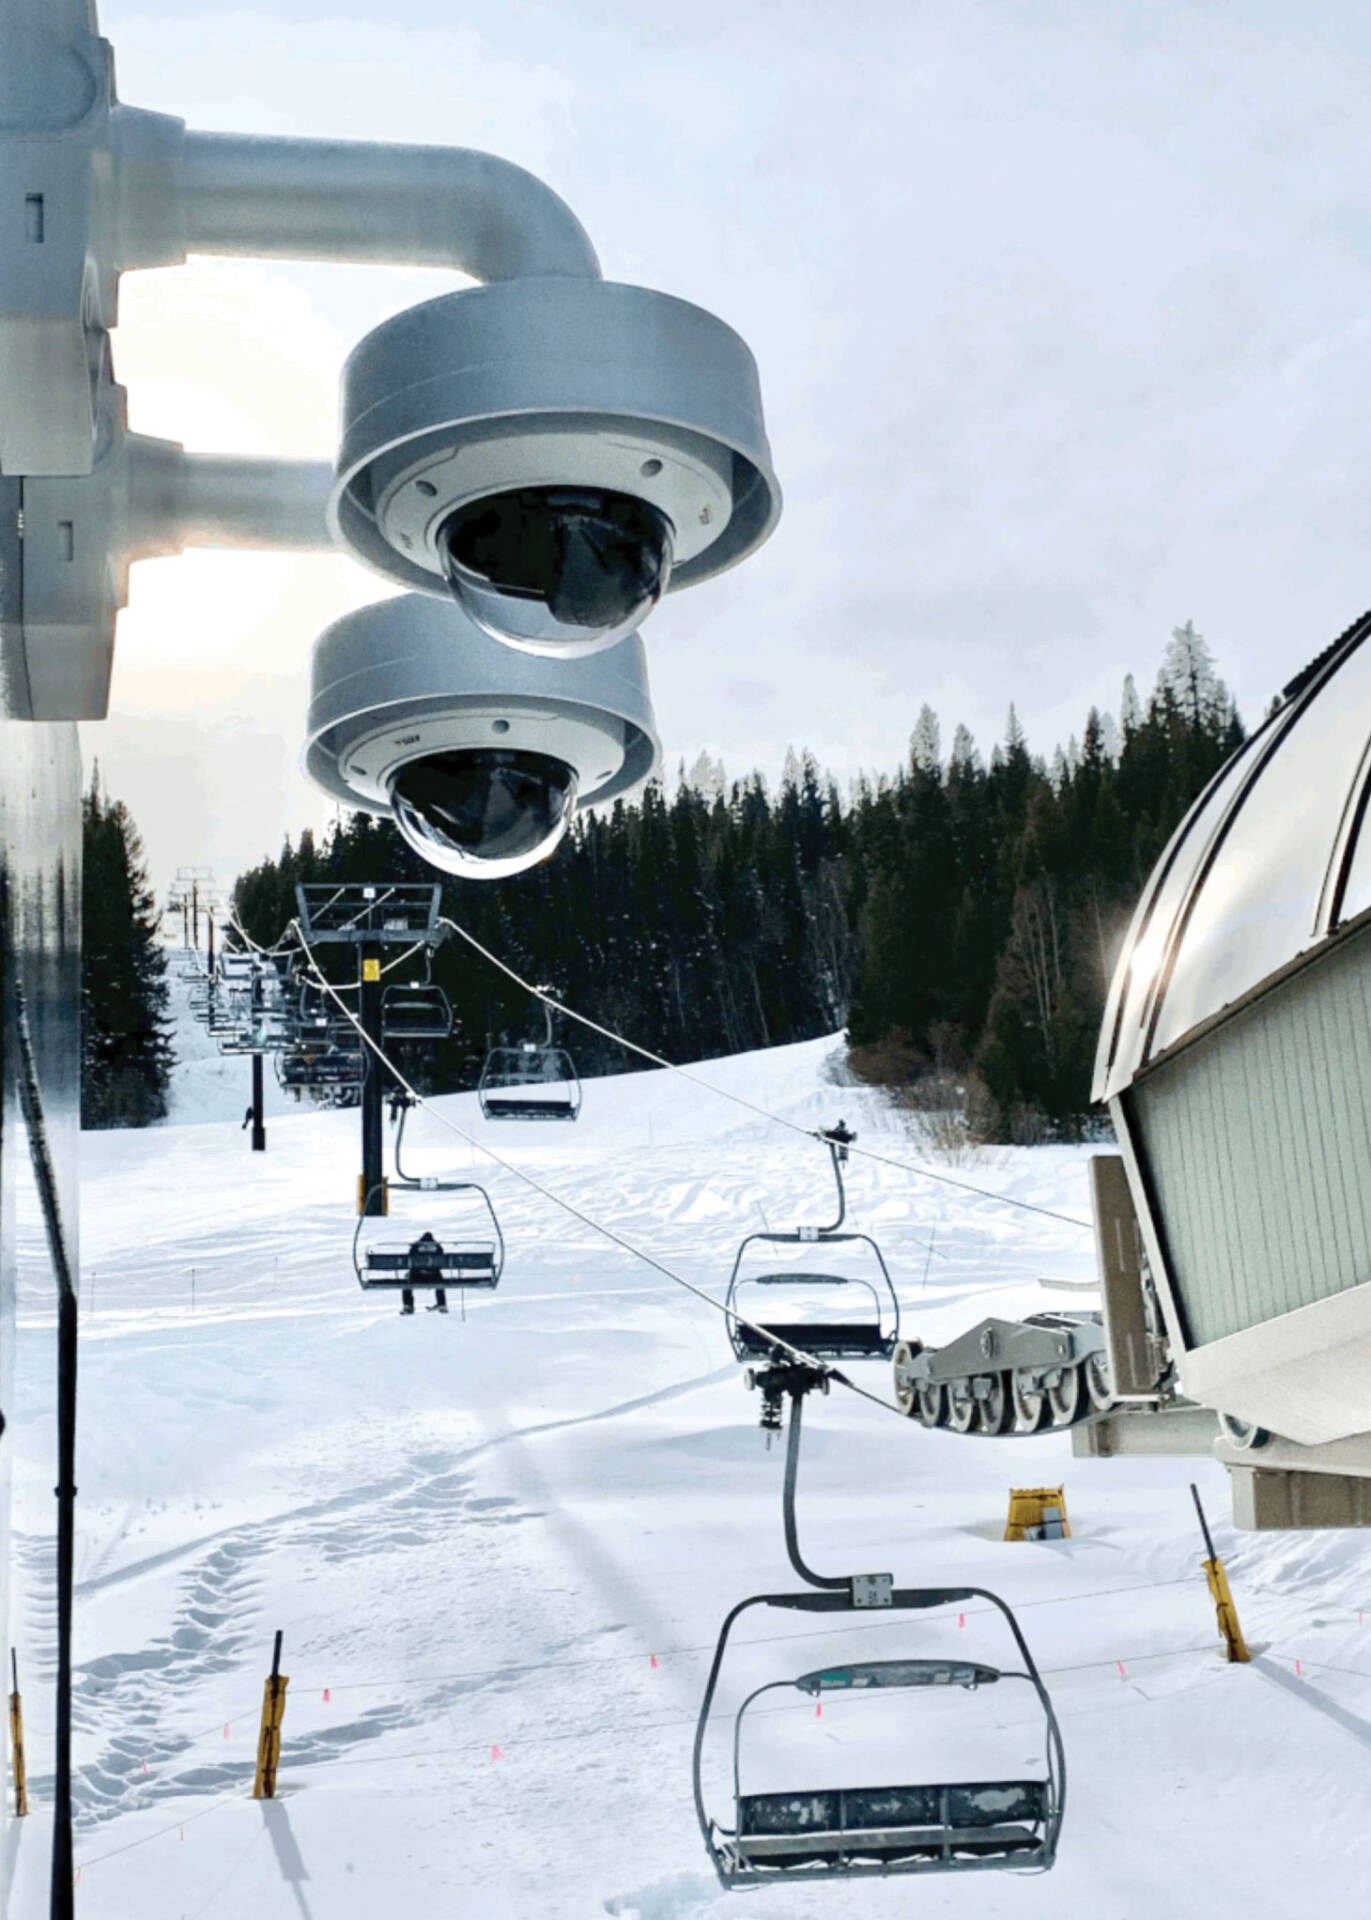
1259	1141
1341	1189
1306	1257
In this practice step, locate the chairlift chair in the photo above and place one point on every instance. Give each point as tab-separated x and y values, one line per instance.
819	1833
420	1011
802	1834
534	1081
869	1335
261	1030
466	1261
340	1068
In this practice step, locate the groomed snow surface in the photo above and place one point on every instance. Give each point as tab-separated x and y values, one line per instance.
501	1547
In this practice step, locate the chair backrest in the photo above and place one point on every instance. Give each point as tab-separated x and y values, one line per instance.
960	1806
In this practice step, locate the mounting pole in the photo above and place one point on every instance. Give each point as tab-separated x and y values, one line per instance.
371	1198
259	1129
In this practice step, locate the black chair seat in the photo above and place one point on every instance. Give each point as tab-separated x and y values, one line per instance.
501	1106
825	1339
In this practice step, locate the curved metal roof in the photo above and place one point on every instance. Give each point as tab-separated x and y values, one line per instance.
1270	860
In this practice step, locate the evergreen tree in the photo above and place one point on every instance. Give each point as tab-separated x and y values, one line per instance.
946	913
126	1054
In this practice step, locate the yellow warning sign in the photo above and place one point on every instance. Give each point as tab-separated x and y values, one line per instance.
371	969
1037	1513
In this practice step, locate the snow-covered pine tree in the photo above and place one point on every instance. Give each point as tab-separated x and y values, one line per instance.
1130	707
1187	678
925	743
965	759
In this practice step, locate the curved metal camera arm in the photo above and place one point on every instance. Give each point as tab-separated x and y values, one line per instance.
91	188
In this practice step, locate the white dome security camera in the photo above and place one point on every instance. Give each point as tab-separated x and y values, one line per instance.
480	754
556	453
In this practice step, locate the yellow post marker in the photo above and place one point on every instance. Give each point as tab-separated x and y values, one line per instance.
269	1740
362	1194
371	970
1229	1629
21	1776
1037	1513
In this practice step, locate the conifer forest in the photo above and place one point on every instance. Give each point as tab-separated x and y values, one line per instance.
958	917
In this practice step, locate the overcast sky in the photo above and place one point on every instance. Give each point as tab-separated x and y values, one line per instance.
1062	311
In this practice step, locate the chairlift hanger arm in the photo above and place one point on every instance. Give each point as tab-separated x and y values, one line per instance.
792	1536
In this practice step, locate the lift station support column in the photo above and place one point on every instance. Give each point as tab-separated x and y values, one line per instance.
259	1118
371	918
372	1196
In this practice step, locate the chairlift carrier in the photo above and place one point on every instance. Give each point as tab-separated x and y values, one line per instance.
799	1834
517	1083
870	1338
339	1068
417	1011
426	1262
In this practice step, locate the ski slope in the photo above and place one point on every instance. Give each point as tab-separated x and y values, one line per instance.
504	1545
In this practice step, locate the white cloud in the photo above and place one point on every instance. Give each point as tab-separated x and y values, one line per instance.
1058	310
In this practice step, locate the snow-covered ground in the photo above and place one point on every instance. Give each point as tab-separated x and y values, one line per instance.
501	1547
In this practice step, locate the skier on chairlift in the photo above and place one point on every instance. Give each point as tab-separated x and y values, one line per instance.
418	1274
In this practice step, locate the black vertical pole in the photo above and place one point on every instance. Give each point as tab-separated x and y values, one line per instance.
209	941
1204	1524
195	914
259	1126
63	1866
373	1199
63	1895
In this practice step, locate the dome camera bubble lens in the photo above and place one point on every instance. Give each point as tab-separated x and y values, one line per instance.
484	812
557	568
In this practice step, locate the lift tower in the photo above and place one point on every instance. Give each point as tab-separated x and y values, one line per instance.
370	918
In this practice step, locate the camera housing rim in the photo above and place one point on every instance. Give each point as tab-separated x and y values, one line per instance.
418	665
508	363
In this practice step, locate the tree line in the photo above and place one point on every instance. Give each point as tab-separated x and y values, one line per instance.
960	917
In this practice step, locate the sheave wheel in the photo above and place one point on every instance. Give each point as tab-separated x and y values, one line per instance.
961	1407
930	1404
1031	1410
1068	1399
995	1412
1099	1382
902	1356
